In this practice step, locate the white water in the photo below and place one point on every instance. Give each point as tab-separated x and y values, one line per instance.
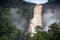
36	20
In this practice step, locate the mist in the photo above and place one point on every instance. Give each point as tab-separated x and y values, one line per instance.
17	19
37	1
50	16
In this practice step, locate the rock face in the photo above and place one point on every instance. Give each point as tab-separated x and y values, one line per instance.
51	12
21	15
20	12
54	0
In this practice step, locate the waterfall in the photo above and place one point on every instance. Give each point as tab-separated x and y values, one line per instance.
36	20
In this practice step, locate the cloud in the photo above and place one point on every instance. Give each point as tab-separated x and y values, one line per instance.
36	1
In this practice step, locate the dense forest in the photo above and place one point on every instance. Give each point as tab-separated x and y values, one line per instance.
9	31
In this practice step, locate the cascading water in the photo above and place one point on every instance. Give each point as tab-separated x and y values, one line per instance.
36	20
37	16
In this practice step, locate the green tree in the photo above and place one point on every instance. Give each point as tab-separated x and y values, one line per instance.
55	31
41	35
52	34
7	30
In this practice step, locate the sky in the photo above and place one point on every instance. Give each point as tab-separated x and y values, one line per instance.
37	1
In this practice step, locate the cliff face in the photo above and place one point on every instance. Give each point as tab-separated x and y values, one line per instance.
51	12
20	12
